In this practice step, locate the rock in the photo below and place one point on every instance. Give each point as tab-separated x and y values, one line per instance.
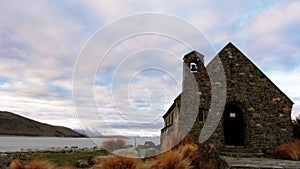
67	150
128	146
142	152
150	152
149	144
255	115
82	164
259	126
222	164
128	152
5	160
3	155
140	146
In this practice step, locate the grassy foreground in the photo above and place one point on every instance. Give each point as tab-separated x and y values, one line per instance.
59	159
189	156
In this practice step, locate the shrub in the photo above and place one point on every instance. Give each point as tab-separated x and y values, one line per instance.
296	127
120	143
289	151
112	144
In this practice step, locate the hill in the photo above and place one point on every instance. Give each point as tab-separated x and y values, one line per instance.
13	124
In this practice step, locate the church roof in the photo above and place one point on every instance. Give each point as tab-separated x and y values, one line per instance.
230	45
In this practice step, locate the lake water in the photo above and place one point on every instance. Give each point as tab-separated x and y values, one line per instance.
16	143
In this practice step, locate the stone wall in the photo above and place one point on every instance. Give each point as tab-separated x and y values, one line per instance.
204	92
266	109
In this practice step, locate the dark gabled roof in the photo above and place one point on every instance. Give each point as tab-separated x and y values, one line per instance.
193	54
172	106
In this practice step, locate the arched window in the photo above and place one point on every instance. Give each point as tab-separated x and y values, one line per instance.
193	67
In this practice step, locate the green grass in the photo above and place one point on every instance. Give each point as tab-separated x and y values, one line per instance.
60	159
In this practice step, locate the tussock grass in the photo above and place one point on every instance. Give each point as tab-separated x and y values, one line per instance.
188	156
184	156
170	160
34	164
60	159
118	162
289	151
16	164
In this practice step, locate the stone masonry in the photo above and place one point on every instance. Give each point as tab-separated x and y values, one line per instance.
257	114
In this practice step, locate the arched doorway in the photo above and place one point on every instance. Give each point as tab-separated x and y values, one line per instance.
233	125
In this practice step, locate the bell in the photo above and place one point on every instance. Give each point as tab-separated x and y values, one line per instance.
193	68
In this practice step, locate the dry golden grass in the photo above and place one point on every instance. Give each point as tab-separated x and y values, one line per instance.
112	144
289	151
182	157
118	162
38	164
16	164
34	164
170	160
189	150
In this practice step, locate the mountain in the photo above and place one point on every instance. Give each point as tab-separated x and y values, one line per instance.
13	124
89	132
96	134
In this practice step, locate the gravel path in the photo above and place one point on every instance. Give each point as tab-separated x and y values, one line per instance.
261	163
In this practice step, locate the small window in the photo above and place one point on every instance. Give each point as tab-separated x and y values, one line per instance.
193	67
172	118
232	115
201	115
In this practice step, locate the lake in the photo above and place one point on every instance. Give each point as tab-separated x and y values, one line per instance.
16	143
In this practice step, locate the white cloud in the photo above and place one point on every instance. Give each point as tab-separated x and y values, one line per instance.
269	36
288	82
39	43
277	18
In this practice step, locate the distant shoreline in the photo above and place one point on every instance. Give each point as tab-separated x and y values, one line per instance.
112	136
29	135
83	136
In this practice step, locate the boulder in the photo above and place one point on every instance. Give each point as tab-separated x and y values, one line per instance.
222	164
150	152
5	160
82	164
128	152
149	144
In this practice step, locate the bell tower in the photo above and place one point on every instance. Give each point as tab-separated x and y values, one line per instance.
196	94
193	62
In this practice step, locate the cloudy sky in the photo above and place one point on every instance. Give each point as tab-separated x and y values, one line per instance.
42	42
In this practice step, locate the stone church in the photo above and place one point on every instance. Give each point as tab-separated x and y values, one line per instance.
257	114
